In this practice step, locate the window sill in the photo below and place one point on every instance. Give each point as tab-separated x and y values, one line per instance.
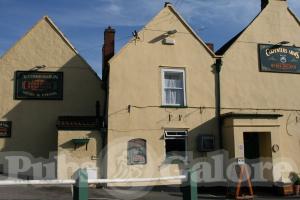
170	106
175	162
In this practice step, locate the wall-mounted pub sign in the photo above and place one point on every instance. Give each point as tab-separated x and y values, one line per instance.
278	58
5	129
38	85
137	152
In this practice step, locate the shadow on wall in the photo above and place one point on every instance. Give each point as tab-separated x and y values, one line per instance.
193	148
207	128
34	121
85	155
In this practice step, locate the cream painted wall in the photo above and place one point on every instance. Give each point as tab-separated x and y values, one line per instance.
70	159
135	79
34	122
244	86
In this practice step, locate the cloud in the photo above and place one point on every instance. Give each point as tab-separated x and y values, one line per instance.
234	11
115	12
100	13
83	21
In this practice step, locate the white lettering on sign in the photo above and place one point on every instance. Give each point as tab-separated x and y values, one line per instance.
270	52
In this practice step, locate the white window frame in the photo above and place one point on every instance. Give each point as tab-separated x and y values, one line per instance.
176	137
163	70
169	136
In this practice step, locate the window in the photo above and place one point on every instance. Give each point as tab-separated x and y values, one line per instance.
206	143
173	85
175	143
137	153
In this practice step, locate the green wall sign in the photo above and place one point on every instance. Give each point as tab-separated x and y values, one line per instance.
278	58
5	129
39	85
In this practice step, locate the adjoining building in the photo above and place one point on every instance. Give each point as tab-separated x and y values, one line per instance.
259	91
48	104
171	98
166	99
159	88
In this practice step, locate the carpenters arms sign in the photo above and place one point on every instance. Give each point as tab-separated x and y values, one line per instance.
278	58
38	85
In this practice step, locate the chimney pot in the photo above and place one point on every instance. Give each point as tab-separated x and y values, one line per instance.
167	3
210	46
264	3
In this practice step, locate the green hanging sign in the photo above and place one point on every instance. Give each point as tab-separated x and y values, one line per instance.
38	85
278	58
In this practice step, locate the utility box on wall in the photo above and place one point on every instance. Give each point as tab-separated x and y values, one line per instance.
206	143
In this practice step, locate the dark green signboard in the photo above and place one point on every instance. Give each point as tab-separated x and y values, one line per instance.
5	129
39	85
278	58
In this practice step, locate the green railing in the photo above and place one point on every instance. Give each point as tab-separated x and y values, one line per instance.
80	188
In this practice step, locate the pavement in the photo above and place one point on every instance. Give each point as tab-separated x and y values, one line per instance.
65	193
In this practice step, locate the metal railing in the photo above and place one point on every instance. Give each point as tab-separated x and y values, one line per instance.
37	182
80	184
137	180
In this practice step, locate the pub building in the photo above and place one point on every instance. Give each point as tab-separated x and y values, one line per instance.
50	101
260	92
183	100
164	95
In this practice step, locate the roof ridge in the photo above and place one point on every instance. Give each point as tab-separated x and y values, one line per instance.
173	10
59	32
67	41
191	29
223	50
23	36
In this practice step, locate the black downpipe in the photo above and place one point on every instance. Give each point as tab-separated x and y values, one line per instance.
218	66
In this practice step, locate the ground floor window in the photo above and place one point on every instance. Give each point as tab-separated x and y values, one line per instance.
176	145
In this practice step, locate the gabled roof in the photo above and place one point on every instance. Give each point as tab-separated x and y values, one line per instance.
189	28
227	45
294	15
63	37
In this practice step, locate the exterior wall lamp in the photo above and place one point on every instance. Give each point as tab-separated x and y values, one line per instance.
283	42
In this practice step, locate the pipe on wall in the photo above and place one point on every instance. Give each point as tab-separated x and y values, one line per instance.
218	66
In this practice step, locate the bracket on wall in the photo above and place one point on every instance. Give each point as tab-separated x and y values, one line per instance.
81	141
275	148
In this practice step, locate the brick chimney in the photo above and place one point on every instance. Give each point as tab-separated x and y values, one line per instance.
210	46
108	51
264	3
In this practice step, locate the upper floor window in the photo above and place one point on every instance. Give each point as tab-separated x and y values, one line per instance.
173	86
